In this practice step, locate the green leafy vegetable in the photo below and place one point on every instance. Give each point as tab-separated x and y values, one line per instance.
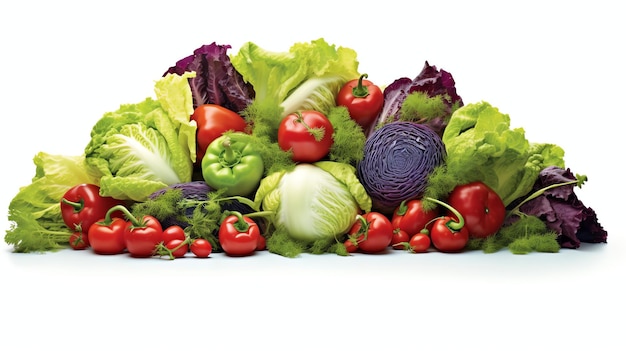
144	147
308	76
35	212
314	204
480	145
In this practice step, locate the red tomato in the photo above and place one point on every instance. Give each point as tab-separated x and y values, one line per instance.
262	244
177	247
107	239
308	134
363	99
213	120
238	235
372	232
350	246
411	217
481	207
201	248
141	241
173	232
399	238
419	243
79	241
448	239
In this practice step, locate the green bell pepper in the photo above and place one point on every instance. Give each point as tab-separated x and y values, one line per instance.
232	164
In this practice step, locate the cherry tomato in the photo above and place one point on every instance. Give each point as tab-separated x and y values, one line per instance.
177	247
173	232
308	134
481	207
372	232
107	238
238	234
363	99
398	239
79	241
350	246
419	243
411	217
201	248
262	243
213	120
447	239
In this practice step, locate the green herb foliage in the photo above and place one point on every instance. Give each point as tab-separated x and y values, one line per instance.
527	234
348	137
419	107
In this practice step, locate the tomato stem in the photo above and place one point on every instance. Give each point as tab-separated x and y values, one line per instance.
453	225
129	216
317	133
360	91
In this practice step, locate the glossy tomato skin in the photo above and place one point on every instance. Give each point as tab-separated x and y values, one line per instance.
201	248
79	241
399	238
379	232
446	240
294	135
363	109
419	243
213	120
173	232
411	217
142	241
481	208
179	247
235	242
107	239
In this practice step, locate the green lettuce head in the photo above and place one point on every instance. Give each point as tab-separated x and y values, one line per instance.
481	146
144	147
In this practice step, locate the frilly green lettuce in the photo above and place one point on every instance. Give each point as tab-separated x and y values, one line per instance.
144	147
481	146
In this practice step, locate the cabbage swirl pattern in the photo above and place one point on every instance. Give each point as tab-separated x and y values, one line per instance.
398	158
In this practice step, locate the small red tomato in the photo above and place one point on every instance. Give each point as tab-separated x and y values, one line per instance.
350	246
201	248
481	207
446	238
411	217
107	238
143	236
261	245
79	241
173	232
419	242
308	134
177	247
373	232
363	99
399	238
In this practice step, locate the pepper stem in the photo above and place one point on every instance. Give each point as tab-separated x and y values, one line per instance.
360	91
229	157
241	225
453	225
78	206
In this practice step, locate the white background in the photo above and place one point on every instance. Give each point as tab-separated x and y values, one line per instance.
556	69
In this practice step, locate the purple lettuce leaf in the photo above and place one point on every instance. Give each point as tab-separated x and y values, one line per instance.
216	81
431	81
562	211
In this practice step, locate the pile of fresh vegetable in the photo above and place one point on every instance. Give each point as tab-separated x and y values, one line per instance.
300	152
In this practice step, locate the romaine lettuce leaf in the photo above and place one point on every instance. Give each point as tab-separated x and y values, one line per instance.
144	147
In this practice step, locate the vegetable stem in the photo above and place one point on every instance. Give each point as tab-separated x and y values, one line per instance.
78	206
317	133
360	91
229	156
453	225
579	181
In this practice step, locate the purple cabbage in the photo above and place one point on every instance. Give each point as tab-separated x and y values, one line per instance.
431	81
562	211
398	158
216	81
